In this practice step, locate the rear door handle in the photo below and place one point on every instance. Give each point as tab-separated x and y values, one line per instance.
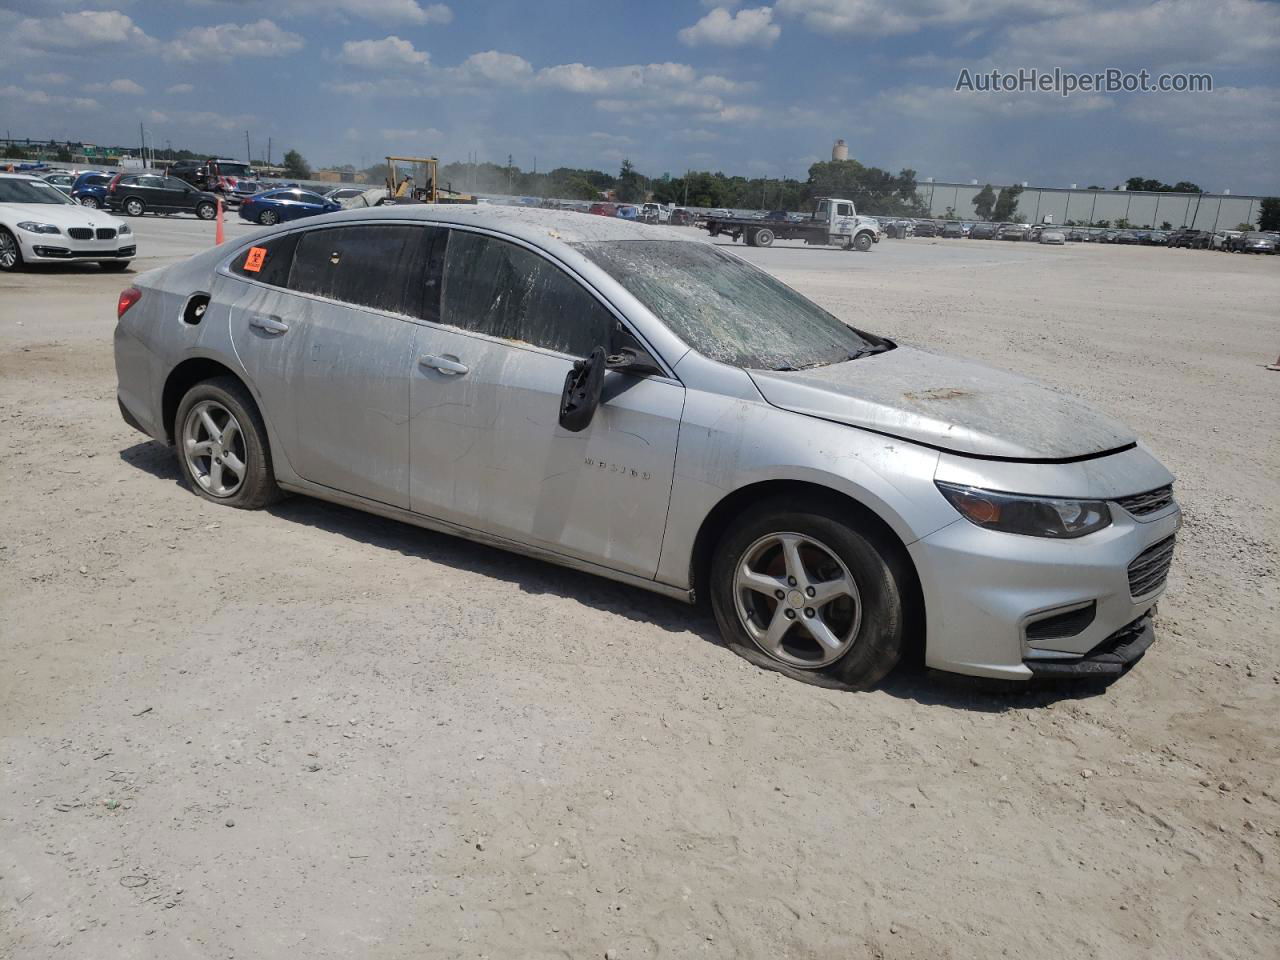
449	365
272	325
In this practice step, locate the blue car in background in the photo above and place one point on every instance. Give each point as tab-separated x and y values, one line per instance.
90	190
277	206
628	212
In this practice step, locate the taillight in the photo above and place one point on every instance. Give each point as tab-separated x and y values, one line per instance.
127	299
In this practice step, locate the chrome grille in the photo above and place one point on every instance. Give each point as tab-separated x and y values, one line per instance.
80	233
1149	569
1143	504
106	233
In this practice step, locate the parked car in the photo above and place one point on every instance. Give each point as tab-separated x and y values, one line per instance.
1126	237
41	224
61	180
278	206
138	193
924	228
337	194
680	217
1252	242
982	231
627	211
1221	240
604	209
1013	231
952	230
90	189
530	394
1052	235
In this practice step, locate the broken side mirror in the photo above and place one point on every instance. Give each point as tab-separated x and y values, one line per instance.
633	360
581	395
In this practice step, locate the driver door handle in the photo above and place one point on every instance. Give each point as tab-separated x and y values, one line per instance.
272	325
449	365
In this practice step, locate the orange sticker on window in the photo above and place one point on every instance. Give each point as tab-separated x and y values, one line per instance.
257	256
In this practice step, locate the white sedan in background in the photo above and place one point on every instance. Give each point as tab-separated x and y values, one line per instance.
41	224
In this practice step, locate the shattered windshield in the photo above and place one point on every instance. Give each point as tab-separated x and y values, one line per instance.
727	309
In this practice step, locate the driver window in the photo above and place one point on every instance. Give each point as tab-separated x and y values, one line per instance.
844	210
503	290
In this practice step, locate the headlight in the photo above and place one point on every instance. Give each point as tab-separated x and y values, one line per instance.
1030	516
32	227
123	229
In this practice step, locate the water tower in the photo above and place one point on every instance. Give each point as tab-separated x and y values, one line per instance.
840	151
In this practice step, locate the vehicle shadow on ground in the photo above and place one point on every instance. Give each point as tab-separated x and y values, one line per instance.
530	575
79	267
907	682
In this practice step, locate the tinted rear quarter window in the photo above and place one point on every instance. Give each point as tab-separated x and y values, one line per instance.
503	290
272	261
382	266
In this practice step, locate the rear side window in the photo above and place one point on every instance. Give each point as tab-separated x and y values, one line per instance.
267	262
382	266
503	290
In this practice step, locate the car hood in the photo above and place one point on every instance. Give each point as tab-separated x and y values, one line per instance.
59	214
948	403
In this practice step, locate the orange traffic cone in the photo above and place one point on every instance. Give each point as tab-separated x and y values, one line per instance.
217	235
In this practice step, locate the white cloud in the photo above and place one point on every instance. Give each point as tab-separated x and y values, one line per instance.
1236	115
880	18
580	78
40	98
80	30
492	66
228	40
49	79
389	53
1156	35
379	11
737	113
721	28
180	88
946	104
117	86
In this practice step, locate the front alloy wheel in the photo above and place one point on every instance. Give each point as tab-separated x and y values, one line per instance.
797	600
10	255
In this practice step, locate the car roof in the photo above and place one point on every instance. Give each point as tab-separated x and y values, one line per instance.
543	228
20	176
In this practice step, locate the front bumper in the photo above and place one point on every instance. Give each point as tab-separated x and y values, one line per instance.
82	250
986	591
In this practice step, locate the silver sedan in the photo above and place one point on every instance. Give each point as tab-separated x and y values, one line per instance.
635	402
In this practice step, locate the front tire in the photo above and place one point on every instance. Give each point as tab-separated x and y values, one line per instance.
862	242
810	593
10	251
222	445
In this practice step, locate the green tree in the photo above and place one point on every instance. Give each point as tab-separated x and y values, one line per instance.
1269	214
14	152
295	166
873	191
630	186
984	202
1007	204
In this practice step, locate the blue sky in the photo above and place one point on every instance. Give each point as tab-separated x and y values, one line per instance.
672	84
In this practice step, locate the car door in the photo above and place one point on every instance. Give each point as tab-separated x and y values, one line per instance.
486	447
334	352
308	204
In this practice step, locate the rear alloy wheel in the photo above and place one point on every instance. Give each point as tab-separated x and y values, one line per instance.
222	445
803	592
10	252
268	218
134	207
206	210
90	202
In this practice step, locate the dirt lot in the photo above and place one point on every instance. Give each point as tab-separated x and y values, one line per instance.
312	733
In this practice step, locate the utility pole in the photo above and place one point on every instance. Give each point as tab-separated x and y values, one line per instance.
509	163
248	155
142	150
268	151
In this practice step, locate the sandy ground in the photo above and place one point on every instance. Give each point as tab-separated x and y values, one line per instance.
312	733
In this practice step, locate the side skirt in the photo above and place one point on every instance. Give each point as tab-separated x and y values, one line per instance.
457	530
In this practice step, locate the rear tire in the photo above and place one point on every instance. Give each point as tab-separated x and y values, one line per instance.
764	238
134	207
90	202
268	218
206	210
865	627
217	431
